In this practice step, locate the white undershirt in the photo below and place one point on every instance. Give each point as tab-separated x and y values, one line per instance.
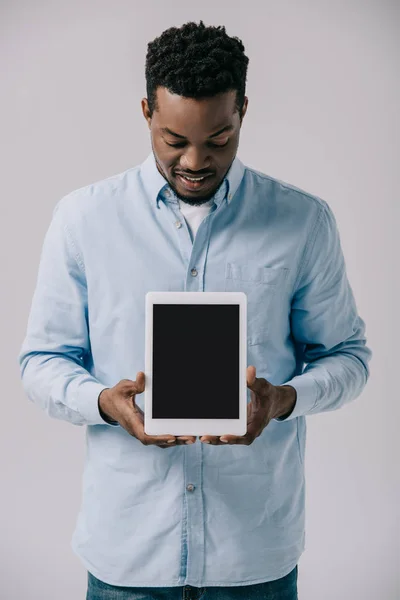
194	214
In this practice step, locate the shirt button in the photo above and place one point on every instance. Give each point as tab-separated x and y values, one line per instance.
230	196
194	272
190	487
178	224
167	193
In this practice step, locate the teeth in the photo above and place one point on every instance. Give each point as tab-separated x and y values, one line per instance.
192	179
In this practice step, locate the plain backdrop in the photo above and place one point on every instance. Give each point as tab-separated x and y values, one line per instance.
323	87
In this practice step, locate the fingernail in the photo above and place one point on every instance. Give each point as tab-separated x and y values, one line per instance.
206	441
225	441
171	441
189	442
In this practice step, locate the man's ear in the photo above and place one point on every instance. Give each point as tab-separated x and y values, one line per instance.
244	109
146	111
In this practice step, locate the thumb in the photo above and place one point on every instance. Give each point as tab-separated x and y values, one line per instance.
258	385
129	388
250	375
140	381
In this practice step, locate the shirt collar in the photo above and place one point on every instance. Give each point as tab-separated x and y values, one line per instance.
156	185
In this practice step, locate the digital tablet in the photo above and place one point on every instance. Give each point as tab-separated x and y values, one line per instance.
195	363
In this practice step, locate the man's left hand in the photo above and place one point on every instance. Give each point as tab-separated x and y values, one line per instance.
267	402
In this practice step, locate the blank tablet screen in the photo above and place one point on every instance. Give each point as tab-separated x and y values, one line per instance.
195	361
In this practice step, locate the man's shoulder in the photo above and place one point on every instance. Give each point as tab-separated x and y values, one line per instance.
95	195
284	191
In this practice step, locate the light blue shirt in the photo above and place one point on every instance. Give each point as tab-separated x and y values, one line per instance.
200	515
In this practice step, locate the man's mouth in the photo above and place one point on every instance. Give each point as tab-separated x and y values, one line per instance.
193	183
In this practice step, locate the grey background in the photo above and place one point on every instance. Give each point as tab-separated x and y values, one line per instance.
323	115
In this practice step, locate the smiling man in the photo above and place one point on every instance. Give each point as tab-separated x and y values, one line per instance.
166	517
194	140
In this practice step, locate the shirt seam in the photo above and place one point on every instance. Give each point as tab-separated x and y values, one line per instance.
308	248
75	251
89	187
287	186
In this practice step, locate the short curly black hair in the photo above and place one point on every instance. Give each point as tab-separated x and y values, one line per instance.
195	61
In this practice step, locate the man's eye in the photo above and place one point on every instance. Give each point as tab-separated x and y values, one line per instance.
218	145
211	144
179	145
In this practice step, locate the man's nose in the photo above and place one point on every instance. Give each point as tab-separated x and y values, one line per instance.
195	159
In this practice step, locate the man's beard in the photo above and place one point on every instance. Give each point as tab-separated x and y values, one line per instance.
198	200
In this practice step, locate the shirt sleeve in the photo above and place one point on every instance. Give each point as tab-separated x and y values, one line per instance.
326	326
53	353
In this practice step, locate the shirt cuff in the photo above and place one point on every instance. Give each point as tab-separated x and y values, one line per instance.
88	405
307	393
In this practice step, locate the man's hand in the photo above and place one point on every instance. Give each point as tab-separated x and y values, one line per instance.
118	403
267	402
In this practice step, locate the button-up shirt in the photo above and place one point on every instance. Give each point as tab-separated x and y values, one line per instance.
200	515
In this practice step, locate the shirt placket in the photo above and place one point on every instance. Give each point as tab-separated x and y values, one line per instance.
194	255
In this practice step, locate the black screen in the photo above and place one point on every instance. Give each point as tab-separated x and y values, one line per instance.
195	361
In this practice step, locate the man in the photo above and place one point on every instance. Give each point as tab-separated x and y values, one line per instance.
215	517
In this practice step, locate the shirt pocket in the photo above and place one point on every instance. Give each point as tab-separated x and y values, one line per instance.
263	286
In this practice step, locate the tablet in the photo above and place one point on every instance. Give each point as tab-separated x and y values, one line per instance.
195	363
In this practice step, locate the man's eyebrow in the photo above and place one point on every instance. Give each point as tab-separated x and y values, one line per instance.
182	137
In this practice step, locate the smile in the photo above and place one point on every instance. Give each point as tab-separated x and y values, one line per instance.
193	178
193	183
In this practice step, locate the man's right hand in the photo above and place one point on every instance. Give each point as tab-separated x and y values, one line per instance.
118	403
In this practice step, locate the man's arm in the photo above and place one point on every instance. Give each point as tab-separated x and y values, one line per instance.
326	325
52	355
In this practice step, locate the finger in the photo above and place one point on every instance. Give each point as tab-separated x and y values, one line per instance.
245	440
140	379
186	439
259	385
158	440
251	374
230	439
129	388
210	439
139	383
253	382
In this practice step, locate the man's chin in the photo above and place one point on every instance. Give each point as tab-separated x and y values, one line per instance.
195	199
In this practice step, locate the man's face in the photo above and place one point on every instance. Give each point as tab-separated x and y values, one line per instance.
194	138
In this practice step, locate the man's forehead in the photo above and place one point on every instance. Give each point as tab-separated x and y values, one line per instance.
212	113
167	101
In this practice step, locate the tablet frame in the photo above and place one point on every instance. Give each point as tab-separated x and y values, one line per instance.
196	427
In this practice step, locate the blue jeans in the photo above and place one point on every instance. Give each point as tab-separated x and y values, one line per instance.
284	588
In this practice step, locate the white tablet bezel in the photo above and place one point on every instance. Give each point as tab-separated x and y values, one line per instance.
196	427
